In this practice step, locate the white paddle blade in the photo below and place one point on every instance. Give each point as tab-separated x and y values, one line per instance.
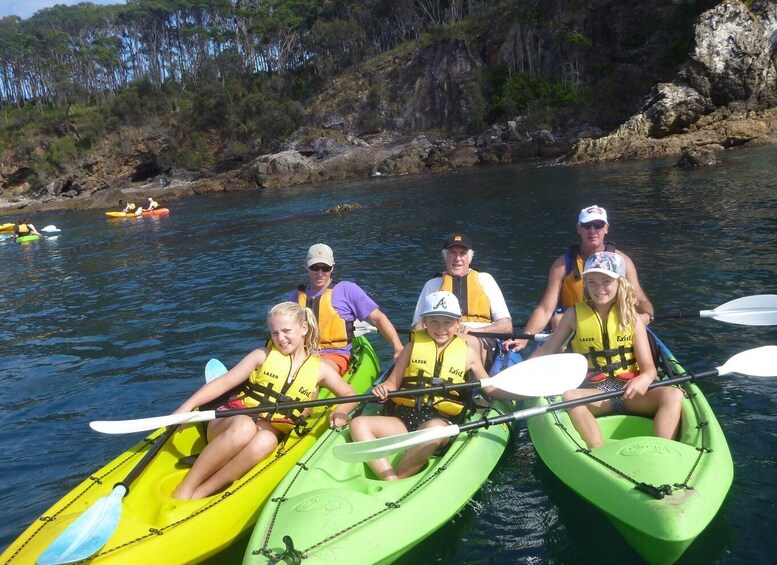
361	327
88	533
542	376
51	229
148	424
757	310
361	451
758	362
214	369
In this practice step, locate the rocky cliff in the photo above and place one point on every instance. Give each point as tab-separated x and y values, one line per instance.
723	97
408	111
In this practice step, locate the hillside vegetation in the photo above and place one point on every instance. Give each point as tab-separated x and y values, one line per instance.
214	83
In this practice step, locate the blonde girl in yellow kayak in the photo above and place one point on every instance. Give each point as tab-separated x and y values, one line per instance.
606	329
288	366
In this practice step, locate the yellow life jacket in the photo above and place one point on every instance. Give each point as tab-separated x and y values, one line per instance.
608	348
428	368
335	332
475	305
274	383
572	285
23	229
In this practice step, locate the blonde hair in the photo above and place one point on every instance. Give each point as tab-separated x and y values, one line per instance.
625	299
301	316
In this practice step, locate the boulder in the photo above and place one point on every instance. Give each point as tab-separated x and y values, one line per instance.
697	157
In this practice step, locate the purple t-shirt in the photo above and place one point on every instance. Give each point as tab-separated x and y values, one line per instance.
349	301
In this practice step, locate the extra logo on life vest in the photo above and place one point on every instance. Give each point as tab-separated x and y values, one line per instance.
625	338
305	392
586	339
457	372
418	361
272	375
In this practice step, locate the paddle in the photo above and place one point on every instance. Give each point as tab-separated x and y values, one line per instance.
214	369
758	362
543	376
92	529
362	328
756	310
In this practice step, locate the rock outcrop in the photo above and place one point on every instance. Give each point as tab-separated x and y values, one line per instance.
723	97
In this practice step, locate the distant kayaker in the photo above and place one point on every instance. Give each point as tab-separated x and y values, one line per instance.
483	306
128	208
606	329
434	354
152	204
24	228
565	286
337	305
288	367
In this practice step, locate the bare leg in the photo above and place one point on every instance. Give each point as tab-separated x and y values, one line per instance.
227	438
584	417
664	405
260	446
416	457
365	428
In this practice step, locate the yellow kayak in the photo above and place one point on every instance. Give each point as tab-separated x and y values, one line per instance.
156	528
6	227
155	212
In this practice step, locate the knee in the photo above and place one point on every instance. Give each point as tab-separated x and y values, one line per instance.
672	396
360	428
573	394
261	445
241	431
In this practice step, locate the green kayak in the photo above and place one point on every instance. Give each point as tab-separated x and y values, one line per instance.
328	511
660	494
26	238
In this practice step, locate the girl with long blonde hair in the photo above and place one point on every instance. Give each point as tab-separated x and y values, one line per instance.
288	366
606	329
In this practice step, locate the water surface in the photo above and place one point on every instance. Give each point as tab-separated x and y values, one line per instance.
117	318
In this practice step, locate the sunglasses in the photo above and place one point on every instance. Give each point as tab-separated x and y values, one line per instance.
319	267
596	224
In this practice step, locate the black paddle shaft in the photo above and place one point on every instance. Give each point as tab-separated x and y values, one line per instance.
278	407
150	454
529	412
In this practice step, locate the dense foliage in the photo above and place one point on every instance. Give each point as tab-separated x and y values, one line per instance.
246	70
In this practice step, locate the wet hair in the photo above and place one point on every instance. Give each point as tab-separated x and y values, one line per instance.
626	299
301	316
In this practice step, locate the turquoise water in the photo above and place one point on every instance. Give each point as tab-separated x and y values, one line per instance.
117	318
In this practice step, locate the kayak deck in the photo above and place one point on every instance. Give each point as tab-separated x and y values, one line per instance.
156	528
660	494
332	511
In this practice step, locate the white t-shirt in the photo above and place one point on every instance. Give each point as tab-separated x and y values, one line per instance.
498	305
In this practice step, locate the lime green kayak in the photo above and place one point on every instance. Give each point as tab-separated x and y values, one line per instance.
26	238
336	512
660	494
156	528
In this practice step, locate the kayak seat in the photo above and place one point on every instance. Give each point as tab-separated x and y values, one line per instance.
188	461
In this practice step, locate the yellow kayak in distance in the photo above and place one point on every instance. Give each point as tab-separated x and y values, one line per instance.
4	228
156	528
156	212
